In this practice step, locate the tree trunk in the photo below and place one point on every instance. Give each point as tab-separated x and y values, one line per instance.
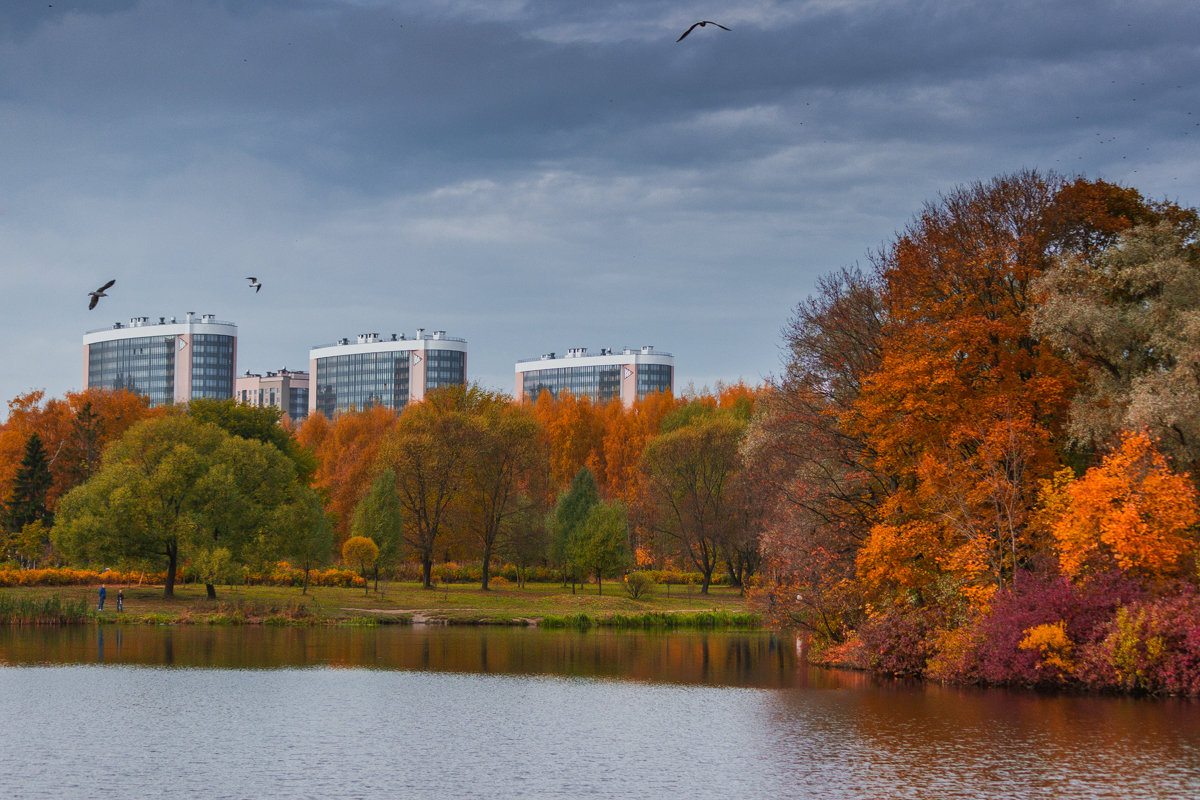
487	563
172	561
599	583
427	571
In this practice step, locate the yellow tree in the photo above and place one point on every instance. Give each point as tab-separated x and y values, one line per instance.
360	551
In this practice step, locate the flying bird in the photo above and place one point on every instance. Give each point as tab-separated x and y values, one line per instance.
96	295
254	284
700	24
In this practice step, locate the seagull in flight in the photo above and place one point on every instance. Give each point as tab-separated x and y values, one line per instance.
700	24
254	284
96	295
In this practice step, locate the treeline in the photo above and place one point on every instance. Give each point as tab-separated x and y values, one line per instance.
984	451
560	486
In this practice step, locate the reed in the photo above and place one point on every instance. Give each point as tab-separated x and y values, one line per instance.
43	611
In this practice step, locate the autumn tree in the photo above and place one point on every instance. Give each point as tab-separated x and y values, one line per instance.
1131	512
74	431
574	432
690	478
966	408
360	551
818	475
1128	316
427	450
346	451
505	469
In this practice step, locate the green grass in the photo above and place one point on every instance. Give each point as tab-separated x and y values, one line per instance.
548	604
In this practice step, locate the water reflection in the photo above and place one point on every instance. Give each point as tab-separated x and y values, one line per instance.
472	712
713	659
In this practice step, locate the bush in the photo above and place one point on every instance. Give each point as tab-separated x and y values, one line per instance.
638	584
1149	646
898	642
1033	601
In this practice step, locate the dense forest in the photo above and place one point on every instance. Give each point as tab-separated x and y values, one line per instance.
979	462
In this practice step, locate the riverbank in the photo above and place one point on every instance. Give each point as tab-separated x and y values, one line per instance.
396	603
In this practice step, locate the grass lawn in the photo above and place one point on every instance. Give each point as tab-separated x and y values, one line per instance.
464	603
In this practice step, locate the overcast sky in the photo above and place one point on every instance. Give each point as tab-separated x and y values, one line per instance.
533	176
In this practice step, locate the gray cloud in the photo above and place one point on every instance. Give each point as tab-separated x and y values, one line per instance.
534	175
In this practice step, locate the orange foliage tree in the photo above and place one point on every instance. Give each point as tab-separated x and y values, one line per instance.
74	431
346	450
1130	512
967	408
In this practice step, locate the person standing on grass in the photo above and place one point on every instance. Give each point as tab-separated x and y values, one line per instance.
120	599
103	592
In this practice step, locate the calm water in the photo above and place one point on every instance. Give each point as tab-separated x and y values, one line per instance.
497	713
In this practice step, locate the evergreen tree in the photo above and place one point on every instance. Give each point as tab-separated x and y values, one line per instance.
28	500
568	515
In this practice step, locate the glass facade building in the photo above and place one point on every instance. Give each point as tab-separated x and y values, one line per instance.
628	375
168	362
350	376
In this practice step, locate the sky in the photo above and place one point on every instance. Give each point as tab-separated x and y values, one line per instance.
534	176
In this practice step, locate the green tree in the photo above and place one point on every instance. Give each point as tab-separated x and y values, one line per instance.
27	503
173	487
255	422
302	533
601	542
569	513
361	551
378	516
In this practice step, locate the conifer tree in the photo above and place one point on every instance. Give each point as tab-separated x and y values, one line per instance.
28	500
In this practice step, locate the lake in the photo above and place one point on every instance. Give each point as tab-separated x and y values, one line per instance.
448	712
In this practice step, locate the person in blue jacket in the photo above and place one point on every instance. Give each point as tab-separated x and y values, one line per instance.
103	592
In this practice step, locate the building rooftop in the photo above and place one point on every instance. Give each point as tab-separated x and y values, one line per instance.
583	352
375	338
142	322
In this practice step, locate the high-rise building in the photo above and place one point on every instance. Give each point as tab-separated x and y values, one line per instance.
627	375
378	371
168	362
283	389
